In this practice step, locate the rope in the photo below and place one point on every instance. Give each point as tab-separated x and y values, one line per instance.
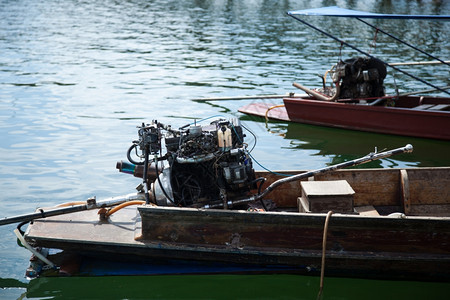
374	42
272	107
125	204
324	247
32	250
71	203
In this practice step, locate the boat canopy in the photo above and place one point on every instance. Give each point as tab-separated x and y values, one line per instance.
334	11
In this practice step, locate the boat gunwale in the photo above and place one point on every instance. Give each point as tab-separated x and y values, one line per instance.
363	107
163	246
395	120
275	216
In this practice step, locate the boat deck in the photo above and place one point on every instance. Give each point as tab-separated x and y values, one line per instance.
85	227
94	247
412	243
260	109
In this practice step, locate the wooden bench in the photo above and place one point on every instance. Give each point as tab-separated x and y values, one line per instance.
432	107
423	107
368	210
440	107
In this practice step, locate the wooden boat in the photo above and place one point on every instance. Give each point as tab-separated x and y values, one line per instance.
358	100
427	117
389	223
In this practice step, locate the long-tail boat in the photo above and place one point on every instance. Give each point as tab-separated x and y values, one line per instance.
386	223
426	117
202	207
356	100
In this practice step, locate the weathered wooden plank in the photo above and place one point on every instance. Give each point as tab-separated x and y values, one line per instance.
377	187
86	226
432	210
440	107
294	230
368	210
273	111
405	195
429	185
423	107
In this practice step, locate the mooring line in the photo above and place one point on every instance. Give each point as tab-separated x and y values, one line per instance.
324	248
35	252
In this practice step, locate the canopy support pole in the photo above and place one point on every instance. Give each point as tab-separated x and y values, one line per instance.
365	53
403	42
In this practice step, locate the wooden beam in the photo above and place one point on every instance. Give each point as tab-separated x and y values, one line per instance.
405	195
415	63
290	95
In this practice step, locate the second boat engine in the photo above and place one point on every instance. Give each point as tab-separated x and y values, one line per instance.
202	164
361	77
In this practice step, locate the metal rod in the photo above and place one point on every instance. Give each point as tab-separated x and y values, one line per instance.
414	63
144	178
311	92
90	204
368	158
318	95
403	42
424	91
292	95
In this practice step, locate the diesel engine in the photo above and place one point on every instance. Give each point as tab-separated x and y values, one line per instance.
361	77
201	164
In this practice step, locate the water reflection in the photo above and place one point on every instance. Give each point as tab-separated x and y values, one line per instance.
224	287
343	145
350	144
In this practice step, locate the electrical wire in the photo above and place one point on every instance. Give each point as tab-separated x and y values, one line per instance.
130	159
251	132
160	183
251	156
122	205
201	120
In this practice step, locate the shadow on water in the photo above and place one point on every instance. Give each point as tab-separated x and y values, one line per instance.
223	287
344	145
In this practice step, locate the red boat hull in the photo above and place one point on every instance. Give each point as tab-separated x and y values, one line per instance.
409	121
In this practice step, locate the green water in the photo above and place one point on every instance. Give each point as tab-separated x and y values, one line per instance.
223	287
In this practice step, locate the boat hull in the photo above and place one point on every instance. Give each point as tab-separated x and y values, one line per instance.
413	248
408	121
358	245
374	246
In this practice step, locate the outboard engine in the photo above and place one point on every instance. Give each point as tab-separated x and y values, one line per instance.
361	77
202	164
